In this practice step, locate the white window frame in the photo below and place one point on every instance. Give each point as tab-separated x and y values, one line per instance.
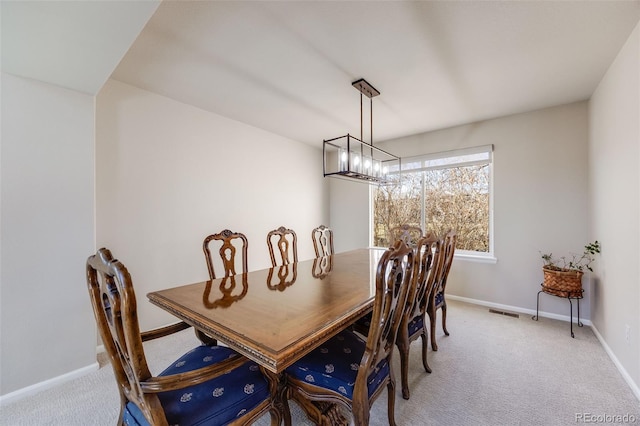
422	163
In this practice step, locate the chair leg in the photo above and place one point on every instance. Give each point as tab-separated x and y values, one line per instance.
432	320
403	348
360	410
205	339
425	364
391	403
444	318
277	418
404	372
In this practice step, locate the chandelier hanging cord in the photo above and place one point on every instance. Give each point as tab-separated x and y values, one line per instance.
370	122
365	88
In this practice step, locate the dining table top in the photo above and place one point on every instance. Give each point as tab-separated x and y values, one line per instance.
275	316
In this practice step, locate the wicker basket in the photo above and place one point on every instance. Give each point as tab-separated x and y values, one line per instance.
562	282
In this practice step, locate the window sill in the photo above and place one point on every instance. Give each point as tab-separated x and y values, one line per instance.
473	257
467	256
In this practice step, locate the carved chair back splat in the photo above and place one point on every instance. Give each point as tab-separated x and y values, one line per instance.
285	241
229	243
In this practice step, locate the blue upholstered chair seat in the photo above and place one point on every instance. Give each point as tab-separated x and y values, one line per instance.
439	298
345	352
216	402
365	321
416	325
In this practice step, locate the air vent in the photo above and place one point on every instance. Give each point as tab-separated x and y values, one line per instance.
509	314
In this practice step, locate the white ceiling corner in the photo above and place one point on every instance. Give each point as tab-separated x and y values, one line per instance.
73	44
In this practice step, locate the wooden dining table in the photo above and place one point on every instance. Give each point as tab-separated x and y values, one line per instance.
275	316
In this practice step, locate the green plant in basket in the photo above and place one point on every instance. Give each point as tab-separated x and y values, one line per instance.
577	262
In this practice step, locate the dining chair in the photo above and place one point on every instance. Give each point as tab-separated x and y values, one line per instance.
438	300
349	370
413	323
286	242
322	238
209	384
408	233
229	242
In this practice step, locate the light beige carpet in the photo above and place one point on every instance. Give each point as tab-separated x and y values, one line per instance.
491	370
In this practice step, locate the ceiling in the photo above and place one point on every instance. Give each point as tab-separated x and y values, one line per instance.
73	44
287	66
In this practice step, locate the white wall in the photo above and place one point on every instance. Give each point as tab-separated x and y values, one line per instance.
540	200
614	117
168	174
47	229
350	214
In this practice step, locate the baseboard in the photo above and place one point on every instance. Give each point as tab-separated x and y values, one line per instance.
518	309
47	384
627	378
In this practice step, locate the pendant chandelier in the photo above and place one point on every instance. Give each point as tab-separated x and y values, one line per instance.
352	158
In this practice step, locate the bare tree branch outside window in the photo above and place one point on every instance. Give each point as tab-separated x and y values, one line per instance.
454	198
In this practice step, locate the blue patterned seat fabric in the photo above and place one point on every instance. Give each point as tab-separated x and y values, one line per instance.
439	298
365	321
215	402
414	325
344	352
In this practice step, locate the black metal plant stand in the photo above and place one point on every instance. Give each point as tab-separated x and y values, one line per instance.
569	295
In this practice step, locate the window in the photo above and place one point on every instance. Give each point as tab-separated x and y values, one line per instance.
437	192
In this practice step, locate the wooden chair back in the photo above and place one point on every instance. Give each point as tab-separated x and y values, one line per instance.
449	248
285	242
437	299
428	248
114	306
229	243
322	238
395	285
408	233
